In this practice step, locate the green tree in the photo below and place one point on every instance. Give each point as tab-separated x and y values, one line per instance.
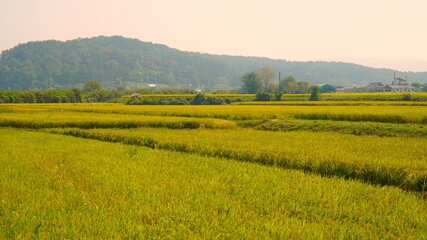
288	84
251	83
92	85
272	87
416	84
303	87
315	93
265	76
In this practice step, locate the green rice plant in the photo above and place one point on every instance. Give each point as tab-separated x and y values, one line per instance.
59	187
371	159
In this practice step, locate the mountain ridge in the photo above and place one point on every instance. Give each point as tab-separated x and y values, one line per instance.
125	62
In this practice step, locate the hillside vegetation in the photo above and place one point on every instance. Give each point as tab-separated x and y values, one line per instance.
130	63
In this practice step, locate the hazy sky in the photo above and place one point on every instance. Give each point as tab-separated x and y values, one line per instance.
380	33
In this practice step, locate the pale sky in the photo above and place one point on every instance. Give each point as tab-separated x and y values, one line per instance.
379	33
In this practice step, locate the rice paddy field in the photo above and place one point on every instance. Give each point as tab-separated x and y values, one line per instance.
294	170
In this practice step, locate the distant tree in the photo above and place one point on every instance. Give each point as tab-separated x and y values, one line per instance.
272	87
92	85
288	84
416	84
303	87
251	83
315	93
265	76
74	95
424	89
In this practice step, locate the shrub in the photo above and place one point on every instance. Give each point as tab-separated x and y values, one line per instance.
407	97
199	99
263	96
315	93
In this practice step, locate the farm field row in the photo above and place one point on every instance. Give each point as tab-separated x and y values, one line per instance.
346	127
373	113
51	119
271	118
105	190
371	159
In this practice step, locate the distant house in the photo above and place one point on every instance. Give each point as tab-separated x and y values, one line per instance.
344	89
375	87
400	85
397	85
400	88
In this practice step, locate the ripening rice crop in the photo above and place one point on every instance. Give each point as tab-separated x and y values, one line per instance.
363	117
395	161
59	187
410	114
54	119
347	127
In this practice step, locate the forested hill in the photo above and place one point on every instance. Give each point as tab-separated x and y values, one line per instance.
118	61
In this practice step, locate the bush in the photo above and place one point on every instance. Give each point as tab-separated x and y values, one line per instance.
315	93
407	97
263	96
199	99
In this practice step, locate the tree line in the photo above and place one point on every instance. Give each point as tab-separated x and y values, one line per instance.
120	62
262	80
92	91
